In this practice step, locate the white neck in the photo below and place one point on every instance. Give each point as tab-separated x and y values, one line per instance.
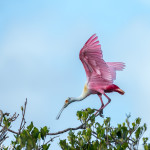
80	98
84	94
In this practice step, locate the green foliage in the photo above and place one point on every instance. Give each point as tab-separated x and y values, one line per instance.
91	135
6	122
30	138
102	136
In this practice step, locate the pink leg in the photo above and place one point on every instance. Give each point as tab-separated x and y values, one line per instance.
109	100
100	96
100	110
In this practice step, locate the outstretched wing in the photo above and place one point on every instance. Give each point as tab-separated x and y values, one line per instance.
97	71
115	66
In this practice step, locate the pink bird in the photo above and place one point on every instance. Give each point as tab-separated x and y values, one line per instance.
100	74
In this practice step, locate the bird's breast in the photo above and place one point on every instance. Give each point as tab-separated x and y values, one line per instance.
86	91
85	88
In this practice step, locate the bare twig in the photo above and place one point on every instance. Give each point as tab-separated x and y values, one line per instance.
48	142
1	116
3	135
63	131
6	114
93	133
14	117
23	117
12	131
51	140
5	129
82	126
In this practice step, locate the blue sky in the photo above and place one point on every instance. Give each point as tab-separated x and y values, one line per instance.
39	57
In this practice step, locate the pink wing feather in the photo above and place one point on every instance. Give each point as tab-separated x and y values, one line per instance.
97	71
115	66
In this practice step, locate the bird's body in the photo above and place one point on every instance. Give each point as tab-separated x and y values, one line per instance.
100	74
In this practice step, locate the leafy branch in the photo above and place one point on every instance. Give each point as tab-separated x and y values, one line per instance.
88	135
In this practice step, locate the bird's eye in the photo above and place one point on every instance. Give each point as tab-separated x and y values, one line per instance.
66	101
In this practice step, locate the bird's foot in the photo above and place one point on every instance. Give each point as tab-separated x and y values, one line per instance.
101	113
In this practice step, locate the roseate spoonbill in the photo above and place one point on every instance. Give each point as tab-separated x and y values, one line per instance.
100	74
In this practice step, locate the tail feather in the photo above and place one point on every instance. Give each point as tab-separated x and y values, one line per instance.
120	91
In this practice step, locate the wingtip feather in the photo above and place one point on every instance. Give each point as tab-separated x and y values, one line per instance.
91	38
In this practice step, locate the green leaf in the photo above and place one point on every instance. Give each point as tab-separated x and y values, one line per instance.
133	124
138	132
45	146
30	127
90	111
44	131
138	120
39	136
79	114
35	132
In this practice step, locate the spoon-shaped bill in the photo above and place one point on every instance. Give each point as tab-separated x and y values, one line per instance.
60	113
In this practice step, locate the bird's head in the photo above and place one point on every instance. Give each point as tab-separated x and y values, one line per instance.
67	102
